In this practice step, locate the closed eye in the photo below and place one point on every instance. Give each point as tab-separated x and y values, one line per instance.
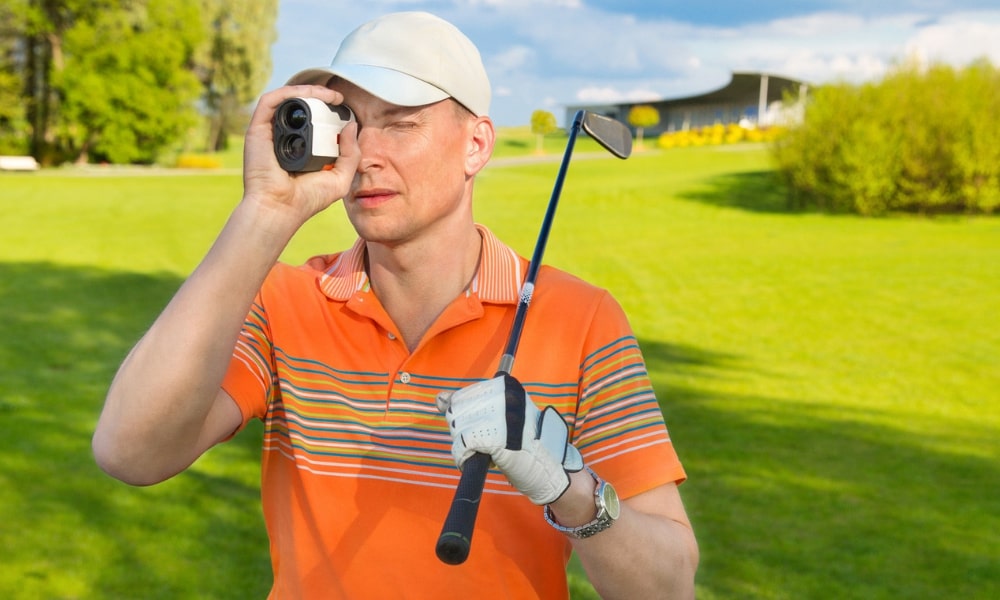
402	125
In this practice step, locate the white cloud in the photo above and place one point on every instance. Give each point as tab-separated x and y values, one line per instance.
598	95
958	39
601	95
833	47
512	58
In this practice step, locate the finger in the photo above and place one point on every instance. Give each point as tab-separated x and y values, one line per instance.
349	150
334	182
319	92
270	101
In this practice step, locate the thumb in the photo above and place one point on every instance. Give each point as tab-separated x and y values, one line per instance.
334	181
349	151
553	434
443	401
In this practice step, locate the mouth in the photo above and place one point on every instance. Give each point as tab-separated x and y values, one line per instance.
371	197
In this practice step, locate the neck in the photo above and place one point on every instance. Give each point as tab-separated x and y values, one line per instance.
416	281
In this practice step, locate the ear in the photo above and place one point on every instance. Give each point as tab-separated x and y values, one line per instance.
480	147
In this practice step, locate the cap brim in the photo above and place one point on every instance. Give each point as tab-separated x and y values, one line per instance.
392	86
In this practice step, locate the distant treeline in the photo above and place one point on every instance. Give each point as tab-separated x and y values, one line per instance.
121	81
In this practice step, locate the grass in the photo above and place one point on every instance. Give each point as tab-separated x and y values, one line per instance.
831	383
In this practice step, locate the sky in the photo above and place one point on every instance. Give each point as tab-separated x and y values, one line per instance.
550	54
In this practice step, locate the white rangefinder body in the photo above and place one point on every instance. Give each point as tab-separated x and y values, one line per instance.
307	133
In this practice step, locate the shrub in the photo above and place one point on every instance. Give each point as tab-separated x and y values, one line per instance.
198	161
718	134
921	140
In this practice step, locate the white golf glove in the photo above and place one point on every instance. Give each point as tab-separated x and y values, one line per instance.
496	417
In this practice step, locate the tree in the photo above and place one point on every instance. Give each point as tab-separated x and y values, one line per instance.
234	61
98	76
42	24
13	125
86	79
640	117
542	123
127	90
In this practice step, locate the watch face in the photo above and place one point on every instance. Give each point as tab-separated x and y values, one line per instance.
611	504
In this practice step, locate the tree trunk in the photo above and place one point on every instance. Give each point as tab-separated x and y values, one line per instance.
38	90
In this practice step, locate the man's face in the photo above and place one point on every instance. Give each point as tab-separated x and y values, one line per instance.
413	175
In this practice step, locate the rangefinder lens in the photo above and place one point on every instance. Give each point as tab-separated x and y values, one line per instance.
293	147
296	117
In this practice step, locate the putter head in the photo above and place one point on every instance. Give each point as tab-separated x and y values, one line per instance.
610	133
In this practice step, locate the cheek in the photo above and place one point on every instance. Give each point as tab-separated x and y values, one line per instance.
442	164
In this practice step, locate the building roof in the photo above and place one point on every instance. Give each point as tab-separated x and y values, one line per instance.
741	86
741	99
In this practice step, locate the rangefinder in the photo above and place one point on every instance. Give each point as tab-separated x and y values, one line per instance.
307	133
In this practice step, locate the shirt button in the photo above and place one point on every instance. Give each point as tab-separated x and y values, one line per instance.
392	335
404	377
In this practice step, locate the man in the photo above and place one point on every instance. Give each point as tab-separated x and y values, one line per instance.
350	358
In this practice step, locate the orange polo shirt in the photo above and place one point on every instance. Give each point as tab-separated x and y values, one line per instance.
357	473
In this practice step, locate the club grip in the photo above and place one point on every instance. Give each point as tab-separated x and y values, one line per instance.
456	536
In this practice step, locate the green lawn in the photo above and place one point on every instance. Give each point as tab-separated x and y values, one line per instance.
832	383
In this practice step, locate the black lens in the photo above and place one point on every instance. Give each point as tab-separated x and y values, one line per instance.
296	117
293	147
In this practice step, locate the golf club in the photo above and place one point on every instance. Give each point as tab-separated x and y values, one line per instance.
456	535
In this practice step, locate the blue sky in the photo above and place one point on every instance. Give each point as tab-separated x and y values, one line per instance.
546	54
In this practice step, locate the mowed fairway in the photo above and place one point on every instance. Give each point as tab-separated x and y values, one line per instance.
832	383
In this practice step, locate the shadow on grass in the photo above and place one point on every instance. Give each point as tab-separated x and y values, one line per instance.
78	533
755	191
514	144
801	499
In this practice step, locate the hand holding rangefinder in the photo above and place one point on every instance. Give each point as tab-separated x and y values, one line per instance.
307	133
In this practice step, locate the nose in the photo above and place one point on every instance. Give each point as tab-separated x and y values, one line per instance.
371	148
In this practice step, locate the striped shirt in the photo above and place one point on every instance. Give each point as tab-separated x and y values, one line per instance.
357	472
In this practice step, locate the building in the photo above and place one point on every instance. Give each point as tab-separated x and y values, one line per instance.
750	99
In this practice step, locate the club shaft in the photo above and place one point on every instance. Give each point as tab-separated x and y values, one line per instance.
528	289
455	540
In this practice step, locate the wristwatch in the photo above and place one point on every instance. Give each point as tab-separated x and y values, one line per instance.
608	509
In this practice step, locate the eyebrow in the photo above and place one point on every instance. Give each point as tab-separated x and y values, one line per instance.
394	110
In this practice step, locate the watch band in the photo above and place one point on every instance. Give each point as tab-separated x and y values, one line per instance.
606	514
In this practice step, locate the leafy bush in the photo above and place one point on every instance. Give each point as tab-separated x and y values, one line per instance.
921	140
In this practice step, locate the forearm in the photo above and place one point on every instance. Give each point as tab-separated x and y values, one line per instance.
645	554
161	396
640	557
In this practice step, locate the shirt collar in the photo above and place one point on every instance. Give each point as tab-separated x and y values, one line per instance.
498	279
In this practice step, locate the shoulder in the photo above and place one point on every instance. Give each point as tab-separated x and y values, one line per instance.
297	282
569	292
568	307
309	270
556	282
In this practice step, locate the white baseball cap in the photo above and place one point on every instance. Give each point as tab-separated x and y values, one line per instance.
409	59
